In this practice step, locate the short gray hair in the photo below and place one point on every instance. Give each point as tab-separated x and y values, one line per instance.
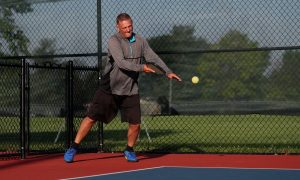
122	17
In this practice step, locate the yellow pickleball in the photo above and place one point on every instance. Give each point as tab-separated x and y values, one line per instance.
195	79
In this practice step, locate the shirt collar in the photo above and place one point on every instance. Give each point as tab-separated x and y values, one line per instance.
132	38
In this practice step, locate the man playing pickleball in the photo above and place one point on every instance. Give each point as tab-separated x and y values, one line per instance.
119	86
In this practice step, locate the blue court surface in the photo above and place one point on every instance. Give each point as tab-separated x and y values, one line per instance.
195	173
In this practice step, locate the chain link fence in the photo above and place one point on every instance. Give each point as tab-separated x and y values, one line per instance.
245	53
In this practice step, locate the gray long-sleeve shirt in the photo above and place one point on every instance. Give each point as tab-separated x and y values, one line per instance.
122	69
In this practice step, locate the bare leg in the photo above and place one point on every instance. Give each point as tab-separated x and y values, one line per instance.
132	134
85	126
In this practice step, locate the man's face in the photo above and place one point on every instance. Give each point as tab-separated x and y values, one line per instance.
125	28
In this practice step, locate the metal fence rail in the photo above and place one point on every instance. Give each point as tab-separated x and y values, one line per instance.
245	53
39	116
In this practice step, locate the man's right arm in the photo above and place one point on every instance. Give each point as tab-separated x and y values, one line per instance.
116	52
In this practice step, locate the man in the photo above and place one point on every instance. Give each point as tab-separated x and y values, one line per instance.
119	86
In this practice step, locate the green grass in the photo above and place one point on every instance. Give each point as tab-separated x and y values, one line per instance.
213	134
193	134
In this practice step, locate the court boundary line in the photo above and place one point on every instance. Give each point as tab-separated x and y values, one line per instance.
220	167
119	172
187	167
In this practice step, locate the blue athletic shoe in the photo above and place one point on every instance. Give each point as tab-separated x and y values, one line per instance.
130	156
69	155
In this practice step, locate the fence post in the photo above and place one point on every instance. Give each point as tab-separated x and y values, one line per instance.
24	109
170	96
99	39
69	103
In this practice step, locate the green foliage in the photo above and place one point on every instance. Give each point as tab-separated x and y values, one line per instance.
180	39
223	76
284	81
18	6
9	86
13	42
46	47
233	76
12	37
53	81
48	85
85	85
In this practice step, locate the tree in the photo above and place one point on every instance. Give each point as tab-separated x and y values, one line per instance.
48	84
181	39
12	42
12	38
46	47
284	81
233	75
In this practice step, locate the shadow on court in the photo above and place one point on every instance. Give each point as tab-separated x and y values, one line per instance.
141	157
100	158
30	160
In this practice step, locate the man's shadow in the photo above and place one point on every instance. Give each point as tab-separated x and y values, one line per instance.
140	156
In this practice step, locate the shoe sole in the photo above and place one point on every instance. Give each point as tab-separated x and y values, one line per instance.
69	161
131	160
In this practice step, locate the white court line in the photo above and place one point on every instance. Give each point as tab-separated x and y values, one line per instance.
114	173
191	167
187	167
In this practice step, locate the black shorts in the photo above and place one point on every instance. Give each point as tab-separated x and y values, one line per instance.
105	107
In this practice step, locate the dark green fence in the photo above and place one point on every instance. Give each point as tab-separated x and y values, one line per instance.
245	53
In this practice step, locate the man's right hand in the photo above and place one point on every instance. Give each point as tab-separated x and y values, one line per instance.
147	69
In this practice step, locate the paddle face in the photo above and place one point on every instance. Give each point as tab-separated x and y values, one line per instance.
156	68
